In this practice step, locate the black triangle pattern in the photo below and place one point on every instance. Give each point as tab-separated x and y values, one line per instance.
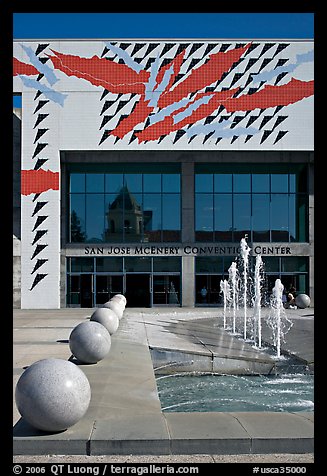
38	250
39	119
39	220
38	235
38	207
37	279
38	164
39	134
196	55
38	264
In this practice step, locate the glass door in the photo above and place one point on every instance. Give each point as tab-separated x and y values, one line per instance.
86	290
138	290
107	286
166	290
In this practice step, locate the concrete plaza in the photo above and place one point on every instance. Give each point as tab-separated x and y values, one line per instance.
125	417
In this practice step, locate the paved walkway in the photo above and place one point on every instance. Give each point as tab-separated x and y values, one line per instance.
124	416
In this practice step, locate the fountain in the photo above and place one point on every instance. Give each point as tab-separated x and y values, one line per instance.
258	278
252	288
245	250
225	290
233	278
277	320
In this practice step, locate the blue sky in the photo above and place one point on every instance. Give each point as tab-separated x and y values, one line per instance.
162	25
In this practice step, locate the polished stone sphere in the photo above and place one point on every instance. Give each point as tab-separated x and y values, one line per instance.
302	301
120	298
53	394
116	307
89	342
107	317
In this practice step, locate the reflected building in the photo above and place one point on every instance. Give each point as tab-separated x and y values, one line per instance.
125	217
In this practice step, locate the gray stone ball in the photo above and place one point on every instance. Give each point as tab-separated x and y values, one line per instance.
89	342
52	394
302	301
116	307
120	298
107	317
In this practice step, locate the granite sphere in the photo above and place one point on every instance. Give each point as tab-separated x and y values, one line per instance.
107	317
116	307
120	298
89	342
52	394
302	301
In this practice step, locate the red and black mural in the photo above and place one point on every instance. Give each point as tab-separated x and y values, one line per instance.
198	90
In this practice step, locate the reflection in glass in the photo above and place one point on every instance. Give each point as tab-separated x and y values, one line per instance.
152	216
133	182
241	215
82	265
124	216
113	182
223	183
109	264
171	183
166	265
260	217
223	217
77	183
77	218
204	217
279	217
152	183
279	183
242	182
94	223
134	207
292	217
204	183
94	183
260	183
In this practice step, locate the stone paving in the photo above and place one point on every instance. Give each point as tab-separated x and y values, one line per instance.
125	417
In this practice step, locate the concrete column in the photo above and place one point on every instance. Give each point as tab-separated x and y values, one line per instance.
188	262
188	281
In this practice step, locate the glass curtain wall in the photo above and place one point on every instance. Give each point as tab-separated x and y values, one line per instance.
145	281
124	204
267	203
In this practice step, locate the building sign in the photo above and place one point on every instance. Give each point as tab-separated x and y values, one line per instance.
230	249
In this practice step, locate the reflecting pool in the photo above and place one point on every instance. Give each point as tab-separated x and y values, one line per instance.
235	393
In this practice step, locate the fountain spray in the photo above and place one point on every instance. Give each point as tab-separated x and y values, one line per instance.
245	250
257	299
277	319
224	288
232	271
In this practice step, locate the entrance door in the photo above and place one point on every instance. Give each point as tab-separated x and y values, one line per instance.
138	290
86	290
166	290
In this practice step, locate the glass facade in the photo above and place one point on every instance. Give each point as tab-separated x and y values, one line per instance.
125	204
142	203
144	281
268	203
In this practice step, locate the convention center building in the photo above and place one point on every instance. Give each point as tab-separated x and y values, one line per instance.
139	165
